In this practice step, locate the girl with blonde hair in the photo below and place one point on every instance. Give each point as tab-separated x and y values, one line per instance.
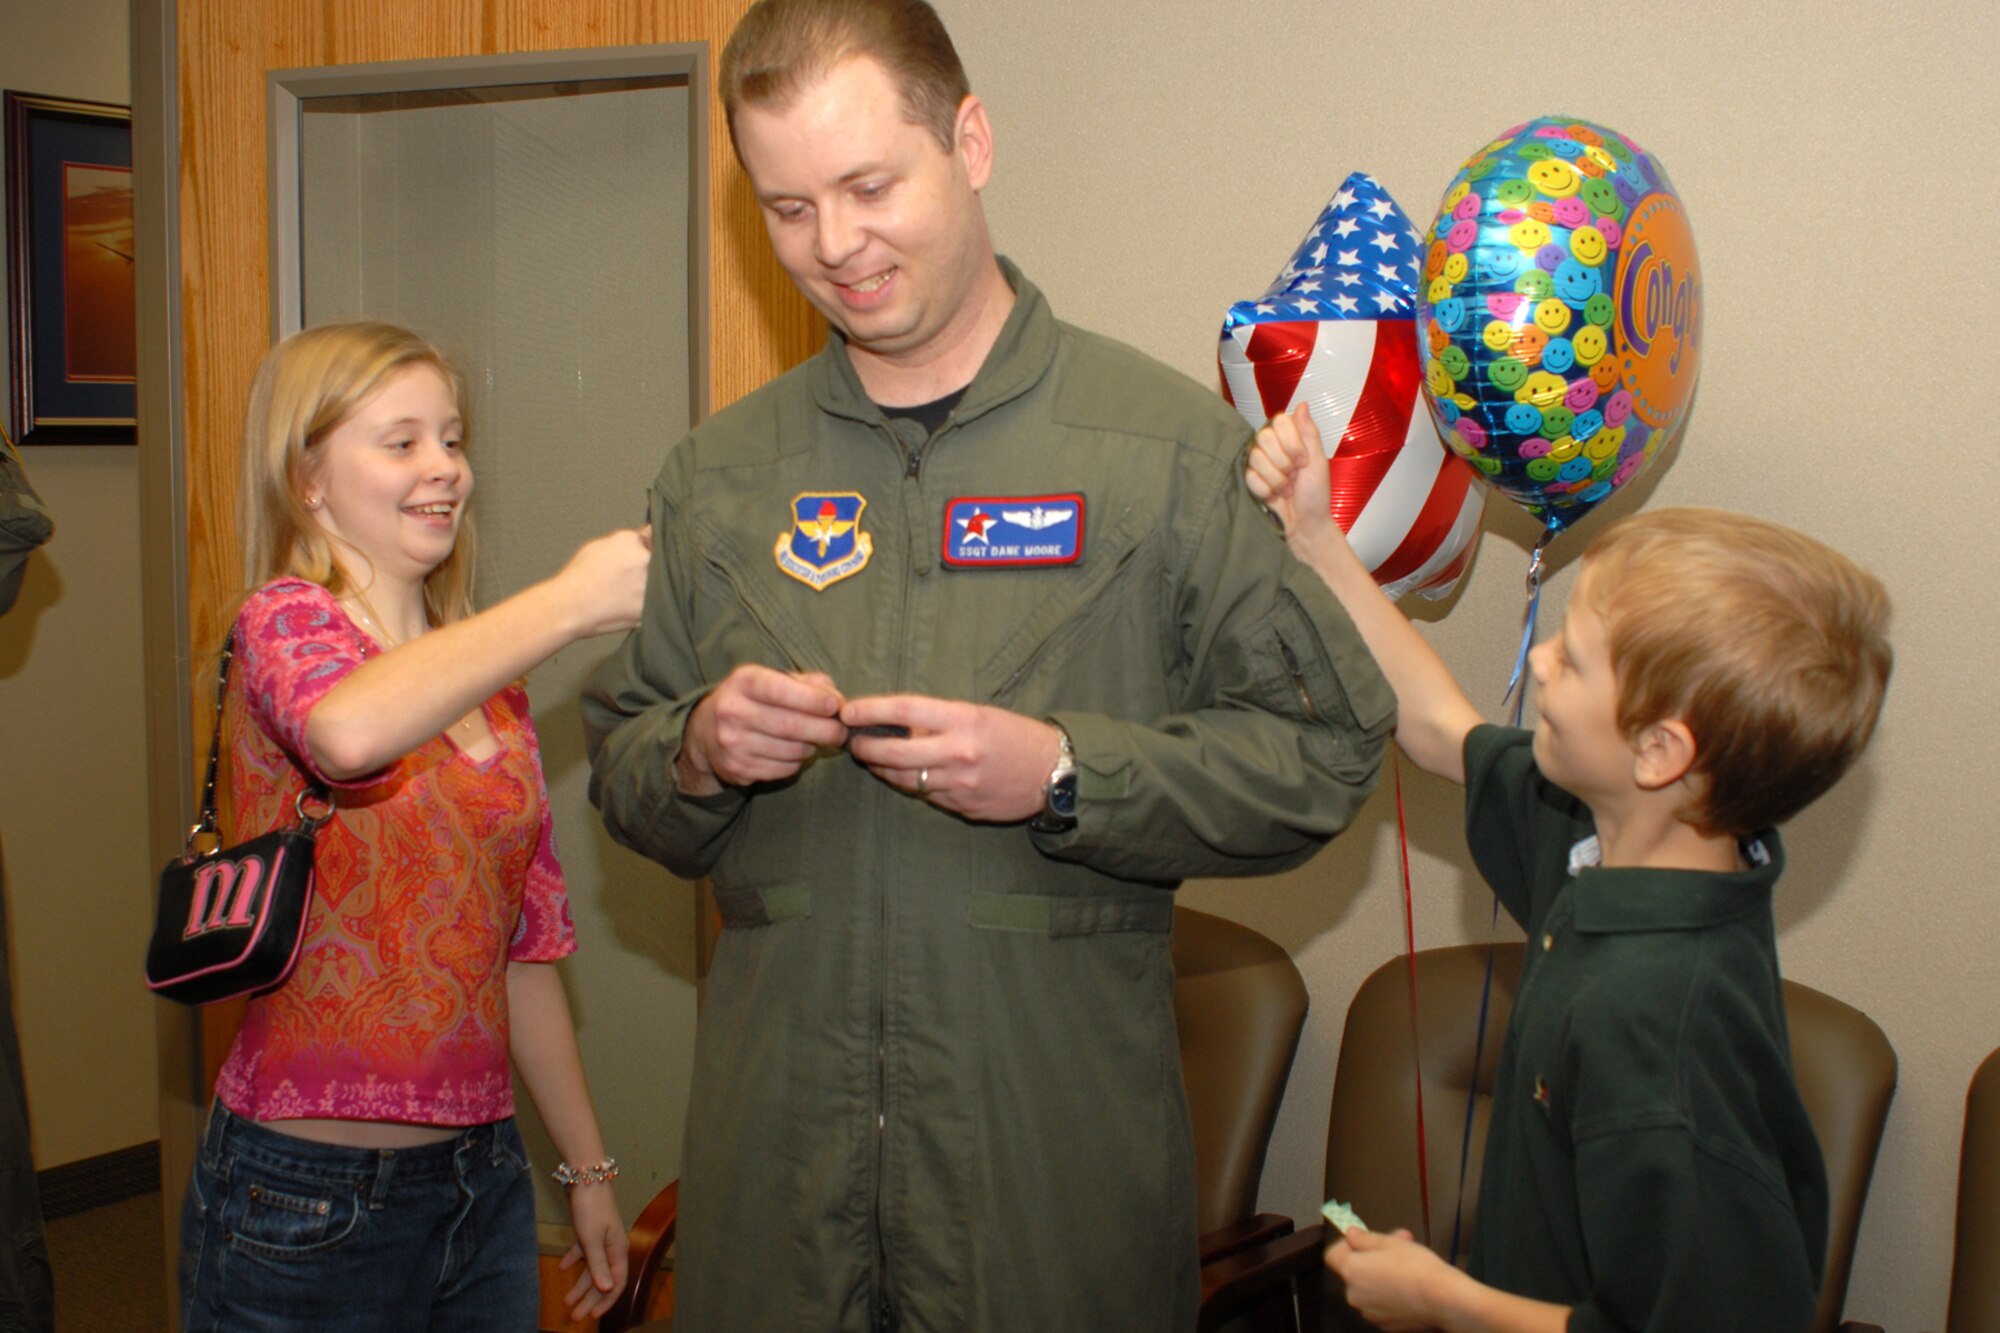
361	1168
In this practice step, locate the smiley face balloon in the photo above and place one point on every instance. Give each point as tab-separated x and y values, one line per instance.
1561	305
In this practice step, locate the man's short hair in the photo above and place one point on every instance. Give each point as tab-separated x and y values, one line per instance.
1770	646
782	47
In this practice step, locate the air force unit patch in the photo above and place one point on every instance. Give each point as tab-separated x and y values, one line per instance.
825	543
1013	531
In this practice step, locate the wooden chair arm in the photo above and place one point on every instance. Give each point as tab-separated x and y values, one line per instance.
1242	1235
1238	1279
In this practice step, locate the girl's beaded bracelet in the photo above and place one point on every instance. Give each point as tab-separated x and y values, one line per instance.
565	1174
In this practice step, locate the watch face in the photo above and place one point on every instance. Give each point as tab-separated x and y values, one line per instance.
1062	798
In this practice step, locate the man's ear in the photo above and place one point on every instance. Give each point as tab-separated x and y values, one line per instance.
974	137
1663	754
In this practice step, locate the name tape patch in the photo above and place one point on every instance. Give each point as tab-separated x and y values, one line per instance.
1013	532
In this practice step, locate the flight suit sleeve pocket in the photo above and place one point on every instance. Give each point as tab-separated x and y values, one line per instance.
1320	668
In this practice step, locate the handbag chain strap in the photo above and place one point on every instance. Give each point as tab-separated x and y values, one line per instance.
207	823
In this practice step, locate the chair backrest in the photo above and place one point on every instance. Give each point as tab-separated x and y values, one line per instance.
1975	1277
1845	1067
1239	1003
1846	1072
1371	1157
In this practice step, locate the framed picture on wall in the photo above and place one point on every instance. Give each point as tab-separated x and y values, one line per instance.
71	316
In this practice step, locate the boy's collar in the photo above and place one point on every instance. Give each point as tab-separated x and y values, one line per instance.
1622	899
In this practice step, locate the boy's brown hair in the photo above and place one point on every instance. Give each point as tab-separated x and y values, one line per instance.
783	46
1770	646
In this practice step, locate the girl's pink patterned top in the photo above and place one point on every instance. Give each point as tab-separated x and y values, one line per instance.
429	879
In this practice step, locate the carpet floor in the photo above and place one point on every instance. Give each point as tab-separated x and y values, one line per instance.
110	1268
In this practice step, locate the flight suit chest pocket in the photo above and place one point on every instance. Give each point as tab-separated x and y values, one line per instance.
738	617
1071	615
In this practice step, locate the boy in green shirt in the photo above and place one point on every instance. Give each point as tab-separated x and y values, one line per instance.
1648	1163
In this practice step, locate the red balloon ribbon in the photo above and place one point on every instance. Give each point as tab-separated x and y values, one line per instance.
1416	1054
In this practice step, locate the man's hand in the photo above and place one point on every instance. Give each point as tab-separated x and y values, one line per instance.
1286	470
984	763
758	725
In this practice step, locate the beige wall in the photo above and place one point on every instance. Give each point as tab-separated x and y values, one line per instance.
72	723
1157	161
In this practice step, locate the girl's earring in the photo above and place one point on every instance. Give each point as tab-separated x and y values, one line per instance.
312	502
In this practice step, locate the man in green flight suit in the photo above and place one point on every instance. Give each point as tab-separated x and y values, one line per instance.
1012	569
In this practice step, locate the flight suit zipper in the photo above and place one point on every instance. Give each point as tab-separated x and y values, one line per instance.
912	494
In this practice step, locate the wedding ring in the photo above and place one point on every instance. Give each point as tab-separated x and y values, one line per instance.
923	782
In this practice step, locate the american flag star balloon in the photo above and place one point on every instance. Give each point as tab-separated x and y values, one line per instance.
1337	330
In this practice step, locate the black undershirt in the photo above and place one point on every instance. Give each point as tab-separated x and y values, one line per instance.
929	415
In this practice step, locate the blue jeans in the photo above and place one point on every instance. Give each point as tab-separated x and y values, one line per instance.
284	1235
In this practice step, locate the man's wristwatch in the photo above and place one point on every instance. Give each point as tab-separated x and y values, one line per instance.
1058	813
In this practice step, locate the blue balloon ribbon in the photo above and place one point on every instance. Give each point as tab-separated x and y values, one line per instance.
1519	679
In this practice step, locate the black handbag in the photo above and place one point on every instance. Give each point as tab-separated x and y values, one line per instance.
230	920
